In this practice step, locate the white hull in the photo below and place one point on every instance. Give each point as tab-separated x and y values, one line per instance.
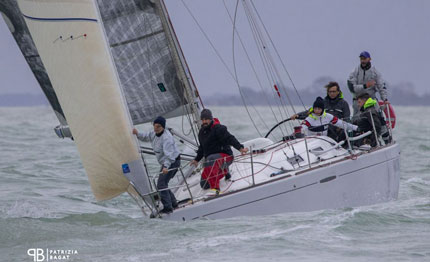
371	178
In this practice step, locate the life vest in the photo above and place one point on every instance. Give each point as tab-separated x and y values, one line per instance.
390	115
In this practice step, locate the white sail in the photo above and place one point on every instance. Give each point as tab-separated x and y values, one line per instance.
72	46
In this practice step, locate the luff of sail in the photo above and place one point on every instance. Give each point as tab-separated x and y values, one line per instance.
150	75
72	46
16	24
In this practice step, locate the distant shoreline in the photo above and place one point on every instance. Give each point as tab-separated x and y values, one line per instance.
397	96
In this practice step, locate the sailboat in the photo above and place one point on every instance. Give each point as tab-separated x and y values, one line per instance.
107	65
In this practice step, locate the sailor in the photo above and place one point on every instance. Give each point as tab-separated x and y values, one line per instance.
368	113
318	120
366	79
333	104
168	157
215	142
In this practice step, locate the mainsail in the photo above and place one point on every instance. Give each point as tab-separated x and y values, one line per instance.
148	63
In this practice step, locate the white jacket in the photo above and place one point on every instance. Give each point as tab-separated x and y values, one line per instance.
318	125
164	146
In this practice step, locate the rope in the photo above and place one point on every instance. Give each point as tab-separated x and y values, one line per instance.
266	64
235	69
277	53
268	58
224	63
252	66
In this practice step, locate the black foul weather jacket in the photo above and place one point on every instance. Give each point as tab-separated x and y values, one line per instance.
216	139
364	122
337	107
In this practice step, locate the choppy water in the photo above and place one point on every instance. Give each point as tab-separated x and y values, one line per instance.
46	202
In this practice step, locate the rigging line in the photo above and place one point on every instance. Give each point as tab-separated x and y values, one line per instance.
180	68
190	121
207	38
270	60
160	46
269	74
235	69
222	60
277	53
252	66
187	71
269	56
184	112
188	115
272	66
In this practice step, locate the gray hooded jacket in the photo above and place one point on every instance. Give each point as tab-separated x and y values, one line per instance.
357	80
164	146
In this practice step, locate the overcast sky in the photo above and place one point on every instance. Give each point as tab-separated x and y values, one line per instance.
315	38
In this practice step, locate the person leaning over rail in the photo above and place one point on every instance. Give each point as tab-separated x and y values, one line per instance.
215	142
368	113
318	120
333	104
167	155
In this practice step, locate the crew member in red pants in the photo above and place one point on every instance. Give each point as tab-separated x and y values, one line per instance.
215	142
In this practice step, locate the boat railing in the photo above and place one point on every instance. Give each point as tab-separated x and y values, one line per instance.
350	139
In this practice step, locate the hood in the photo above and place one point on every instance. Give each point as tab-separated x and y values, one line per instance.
369	103
215	122
314	116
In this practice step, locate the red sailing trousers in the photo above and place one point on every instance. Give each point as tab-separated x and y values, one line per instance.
213	173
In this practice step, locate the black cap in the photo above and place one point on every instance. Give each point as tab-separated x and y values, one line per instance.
206	114
319	102
160	120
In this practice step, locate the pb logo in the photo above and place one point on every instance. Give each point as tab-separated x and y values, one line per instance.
36	253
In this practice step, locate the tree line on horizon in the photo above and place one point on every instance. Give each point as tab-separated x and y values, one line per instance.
399	94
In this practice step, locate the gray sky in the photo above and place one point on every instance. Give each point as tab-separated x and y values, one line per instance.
315	38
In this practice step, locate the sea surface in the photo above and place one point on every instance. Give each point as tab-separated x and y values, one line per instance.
46	205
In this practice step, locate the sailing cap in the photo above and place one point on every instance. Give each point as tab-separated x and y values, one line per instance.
206	114
161	121
319	102
365	54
